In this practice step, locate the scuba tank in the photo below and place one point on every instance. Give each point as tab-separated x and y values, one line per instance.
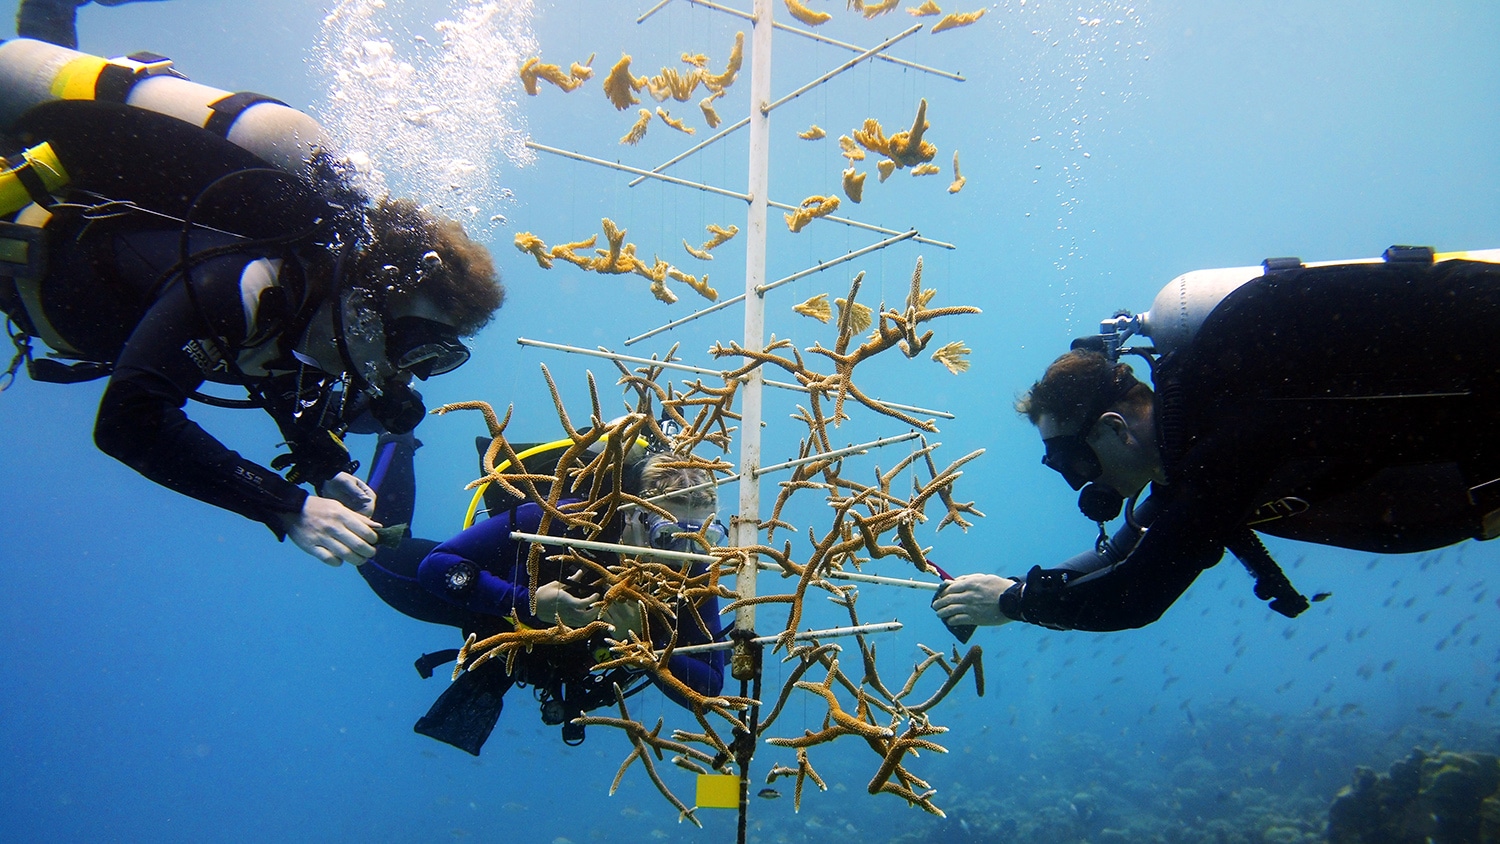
35	72
1181	308
1177	314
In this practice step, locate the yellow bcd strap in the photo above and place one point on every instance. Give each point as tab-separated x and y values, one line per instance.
38	175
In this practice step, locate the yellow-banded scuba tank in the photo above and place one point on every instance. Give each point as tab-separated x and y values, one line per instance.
1181	307
35	72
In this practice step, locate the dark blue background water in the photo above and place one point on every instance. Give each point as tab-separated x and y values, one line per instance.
172	673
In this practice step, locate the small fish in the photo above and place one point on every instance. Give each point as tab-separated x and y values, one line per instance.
768	793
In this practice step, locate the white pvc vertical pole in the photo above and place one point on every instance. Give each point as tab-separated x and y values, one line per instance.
747	524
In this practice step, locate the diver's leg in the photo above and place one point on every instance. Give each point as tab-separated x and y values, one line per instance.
53	21
393	476
392	572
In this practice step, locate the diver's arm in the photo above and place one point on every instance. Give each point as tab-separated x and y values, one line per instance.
141	420
1185	537
701	672
460	570
482	570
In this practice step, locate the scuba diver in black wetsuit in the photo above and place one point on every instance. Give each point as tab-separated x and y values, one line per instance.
1351	404
477	581
164	234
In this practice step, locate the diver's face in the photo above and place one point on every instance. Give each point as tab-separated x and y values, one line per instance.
409	338
1070	453
653	530
1106	452
667	535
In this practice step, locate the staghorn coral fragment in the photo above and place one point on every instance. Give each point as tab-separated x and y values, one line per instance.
922	11
620	86
813	133
859	316
872	137
816	307
699	286
583	72
672	84
850	150
806	15
673	122
957	20
879	7
569	252
854	184
958	178
907	148
697	60
812	208
700	254
710	114
928	169
533	69
660	291
720	236
717	83
886	168
952	357
638	130
533	245
657	272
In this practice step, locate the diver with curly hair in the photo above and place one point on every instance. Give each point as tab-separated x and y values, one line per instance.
163	234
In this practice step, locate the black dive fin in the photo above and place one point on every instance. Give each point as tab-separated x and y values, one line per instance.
465	714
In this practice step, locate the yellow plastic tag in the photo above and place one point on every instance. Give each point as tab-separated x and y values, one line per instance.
718	791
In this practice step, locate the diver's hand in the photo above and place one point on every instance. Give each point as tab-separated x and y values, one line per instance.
972	599
553	602
351	492
624	617
331	532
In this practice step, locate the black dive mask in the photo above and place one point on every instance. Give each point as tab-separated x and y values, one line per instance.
423	347
1071	456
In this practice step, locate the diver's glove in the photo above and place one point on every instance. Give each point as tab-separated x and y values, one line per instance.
554	601
624	617
351	492
331	532
972	599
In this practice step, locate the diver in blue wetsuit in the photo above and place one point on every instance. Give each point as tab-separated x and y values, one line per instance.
477	581
1350	404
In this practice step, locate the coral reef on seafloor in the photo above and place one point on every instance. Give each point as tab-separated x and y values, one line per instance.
1442	797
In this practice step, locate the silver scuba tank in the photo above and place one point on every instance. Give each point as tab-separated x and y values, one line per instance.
35	72
1181	308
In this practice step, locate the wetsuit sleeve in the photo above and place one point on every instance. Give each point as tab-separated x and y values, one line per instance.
478	568
702	672
142	424
1129	587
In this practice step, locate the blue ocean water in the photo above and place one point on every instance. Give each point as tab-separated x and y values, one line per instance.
174	674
